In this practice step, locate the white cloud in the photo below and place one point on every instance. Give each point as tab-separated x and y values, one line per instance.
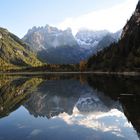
101	122
35	132
94	120
112	19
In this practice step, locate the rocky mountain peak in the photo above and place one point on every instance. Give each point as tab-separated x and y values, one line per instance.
48	36
138	6
68	30
133	23
137	14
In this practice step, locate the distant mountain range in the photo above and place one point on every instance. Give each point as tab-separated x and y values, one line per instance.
14	53
95	41
124	55
50	45
55	46
102	50
42	38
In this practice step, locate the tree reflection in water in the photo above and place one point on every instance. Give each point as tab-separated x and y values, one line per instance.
101	103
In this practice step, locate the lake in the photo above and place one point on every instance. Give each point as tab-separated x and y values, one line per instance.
69	107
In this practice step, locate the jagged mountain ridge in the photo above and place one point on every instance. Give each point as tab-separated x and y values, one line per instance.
47	37
88	38
55	46
14	53
96	39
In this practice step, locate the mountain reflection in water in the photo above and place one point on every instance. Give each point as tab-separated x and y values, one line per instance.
69	107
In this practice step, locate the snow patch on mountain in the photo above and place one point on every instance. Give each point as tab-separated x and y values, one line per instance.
92	40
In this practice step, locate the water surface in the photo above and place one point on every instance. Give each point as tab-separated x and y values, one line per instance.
72	107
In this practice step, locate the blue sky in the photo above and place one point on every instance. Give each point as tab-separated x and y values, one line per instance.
20	15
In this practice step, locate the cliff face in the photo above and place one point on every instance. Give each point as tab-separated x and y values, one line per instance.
124	55
42	38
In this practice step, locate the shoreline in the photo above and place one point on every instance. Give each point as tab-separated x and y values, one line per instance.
73	72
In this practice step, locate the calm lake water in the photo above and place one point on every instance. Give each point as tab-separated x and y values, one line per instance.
69	107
